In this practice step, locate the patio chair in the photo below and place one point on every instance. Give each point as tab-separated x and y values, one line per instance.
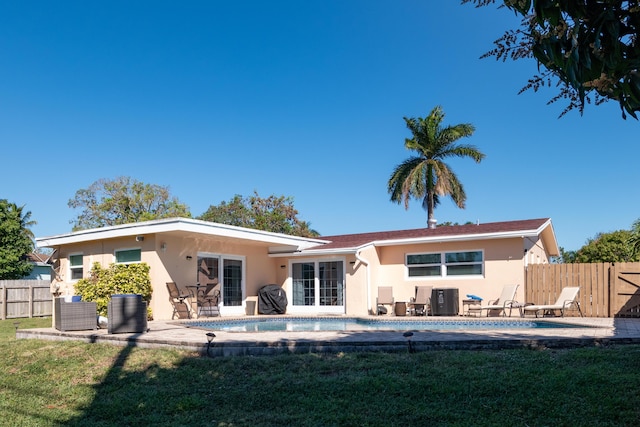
504	301
209	300
421	304
385	297
566	299
75	316
179	301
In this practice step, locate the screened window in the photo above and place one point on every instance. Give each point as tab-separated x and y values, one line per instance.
75	267
444	264
128	256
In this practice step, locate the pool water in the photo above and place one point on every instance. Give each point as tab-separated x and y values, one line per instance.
295	324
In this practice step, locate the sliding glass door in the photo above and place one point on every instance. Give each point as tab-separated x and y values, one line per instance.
229	271
318	286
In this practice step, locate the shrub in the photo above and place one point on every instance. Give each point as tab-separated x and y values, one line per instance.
117	279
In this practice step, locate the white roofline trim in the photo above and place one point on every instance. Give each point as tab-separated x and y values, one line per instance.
178	224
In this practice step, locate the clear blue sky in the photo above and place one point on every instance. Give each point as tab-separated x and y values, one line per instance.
296	98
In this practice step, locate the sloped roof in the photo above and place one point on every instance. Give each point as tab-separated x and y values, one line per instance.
492	230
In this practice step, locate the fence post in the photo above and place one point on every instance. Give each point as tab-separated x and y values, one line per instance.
4	302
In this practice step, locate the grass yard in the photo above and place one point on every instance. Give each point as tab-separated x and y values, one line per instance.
48	383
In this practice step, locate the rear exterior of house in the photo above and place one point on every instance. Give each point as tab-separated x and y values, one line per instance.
334	275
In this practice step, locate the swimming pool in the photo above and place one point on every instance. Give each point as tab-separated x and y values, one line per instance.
306	324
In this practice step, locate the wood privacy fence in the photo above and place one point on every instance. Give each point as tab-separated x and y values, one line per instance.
25	298
606	289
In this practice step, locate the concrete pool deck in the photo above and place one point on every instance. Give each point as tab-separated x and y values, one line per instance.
174	334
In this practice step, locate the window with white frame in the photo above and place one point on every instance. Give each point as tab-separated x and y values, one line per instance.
128	256
445	264
75	267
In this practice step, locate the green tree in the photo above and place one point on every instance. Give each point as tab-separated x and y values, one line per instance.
566	257
426	176
584	47
274	213
608	247
634	239
122	201
16	241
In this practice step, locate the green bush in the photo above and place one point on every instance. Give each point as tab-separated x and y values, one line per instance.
117	279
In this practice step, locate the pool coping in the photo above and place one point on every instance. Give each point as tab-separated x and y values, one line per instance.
174	334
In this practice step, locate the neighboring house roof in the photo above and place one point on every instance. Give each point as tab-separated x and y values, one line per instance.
39	259
532	228
285	245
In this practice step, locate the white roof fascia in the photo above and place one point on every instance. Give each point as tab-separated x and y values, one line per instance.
314	252
178	224
467	237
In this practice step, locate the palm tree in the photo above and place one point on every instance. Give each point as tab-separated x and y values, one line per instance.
426	176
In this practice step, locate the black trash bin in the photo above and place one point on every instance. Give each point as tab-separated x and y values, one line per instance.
444	301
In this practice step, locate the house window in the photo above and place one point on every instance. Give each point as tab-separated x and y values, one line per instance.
318	284
445	264
75	267
128	256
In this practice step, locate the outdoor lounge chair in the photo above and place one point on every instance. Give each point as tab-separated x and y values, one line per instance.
179	301
421	304
504	301
385	297
567	299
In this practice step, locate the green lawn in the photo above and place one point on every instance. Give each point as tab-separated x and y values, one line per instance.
75	384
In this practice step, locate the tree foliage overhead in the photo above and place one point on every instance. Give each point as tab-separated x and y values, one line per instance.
584	46
16	241
123	201
425	176
274	213
608	247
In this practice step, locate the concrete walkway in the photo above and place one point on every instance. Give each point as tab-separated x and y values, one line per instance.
597	331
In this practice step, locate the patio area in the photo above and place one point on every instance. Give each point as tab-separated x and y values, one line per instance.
597	332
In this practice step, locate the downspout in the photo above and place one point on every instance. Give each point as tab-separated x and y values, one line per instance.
366	264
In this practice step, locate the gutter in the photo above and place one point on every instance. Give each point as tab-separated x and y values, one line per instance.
366	264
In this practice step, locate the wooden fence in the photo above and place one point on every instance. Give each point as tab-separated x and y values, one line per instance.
25	298
606	289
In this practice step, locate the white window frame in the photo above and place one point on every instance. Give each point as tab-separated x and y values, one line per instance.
443	266
316	309
75	267
235	310
115	255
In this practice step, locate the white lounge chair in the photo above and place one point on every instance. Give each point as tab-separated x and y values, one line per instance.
504	301
566	300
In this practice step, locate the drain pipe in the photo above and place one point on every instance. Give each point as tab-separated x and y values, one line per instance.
366	264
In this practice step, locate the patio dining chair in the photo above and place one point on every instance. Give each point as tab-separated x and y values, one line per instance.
421	303
209	300
385	297
179	301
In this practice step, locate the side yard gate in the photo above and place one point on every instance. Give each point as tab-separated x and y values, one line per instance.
606	289
25	298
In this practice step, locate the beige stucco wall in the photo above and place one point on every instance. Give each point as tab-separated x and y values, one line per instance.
172	257
504	264
173	265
